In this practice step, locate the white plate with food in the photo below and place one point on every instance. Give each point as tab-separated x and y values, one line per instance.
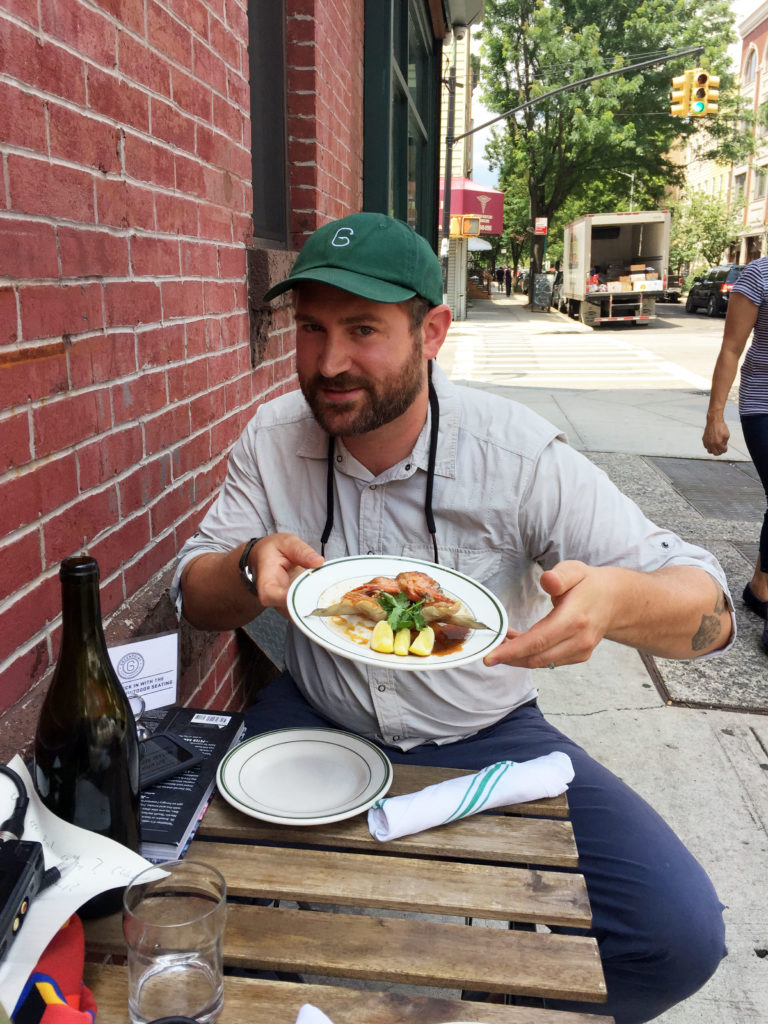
304	776
397	612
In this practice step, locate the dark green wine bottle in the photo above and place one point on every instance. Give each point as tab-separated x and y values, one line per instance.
86	755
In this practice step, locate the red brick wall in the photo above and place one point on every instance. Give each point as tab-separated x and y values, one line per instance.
125	357
325	111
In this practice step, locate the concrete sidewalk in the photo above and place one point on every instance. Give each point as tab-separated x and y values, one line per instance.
704	769
630	420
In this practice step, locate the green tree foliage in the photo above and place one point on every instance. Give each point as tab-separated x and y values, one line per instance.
702	229
569	150
516	237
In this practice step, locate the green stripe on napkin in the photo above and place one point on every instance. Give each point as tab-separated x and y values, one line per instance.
480	791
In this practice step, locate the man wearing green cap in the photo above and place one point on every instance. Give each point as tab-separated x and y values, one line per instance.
380	454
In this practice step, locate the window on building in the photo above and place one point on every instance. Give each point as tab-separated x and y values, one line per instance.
269	155
401	113
739	187
750	67
761	173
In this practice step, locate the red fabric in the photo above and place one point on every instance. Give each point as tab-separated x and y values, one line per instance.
59	975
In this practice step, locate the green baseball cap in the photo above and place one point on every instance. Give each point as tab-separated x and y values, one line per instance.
370	255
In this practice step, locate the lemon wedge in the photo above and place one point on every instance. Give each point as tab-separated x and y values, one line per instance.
402	640
423	643
382	639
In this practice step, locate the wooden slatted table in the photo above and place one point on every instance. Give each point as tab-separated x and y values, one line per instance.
378	913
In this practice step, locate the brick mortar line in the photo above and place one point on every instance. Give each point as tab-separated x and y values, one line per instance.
43	38
9	149
12	216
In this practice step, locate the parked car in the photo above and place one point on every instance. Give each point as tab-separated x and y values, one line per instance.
674	288
711	292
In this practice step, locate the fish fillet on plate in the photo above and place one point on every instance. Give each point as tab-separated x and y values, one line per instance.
437	606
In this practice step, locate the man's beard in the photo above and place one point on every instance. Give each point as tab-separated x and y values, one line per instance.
382	402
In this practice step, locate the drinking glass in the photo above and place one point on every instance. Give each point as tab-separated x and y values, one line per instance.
138	707
173	921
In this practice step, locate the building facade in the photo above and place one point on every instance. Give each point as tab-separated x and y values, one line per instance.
161	161
744	186
749	182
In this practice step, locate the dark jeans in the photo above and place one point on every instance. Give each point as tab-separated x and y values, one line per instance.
756	436
656	916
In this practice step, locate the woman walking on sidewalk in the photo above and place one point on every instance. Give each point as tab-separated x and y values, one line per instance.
747	311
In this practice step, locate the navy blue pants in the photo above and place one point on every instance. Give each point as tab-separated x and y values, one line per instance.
656	916
755	430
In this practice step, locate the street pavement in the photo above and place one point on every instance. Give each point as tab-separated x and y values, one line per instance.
629	407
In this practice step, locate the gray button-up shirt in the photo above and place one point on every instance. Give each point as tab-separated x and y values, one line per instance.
511	499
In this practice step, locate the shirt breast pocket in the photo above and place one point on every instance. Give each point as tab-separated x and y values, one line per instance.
482	565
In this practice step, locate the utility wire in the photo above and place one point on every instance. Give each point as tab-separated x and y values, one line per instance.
693	50
607	59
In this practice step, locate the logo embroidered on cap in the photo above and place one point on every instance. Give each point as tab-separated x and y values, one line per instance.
342	237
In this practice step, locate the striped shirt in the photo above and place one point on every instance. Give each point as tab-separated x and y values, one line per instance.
753	389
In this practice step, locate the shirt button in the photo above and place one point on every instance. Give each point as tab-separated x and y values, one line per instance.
339	458
382	688
395	739
407	465
373	487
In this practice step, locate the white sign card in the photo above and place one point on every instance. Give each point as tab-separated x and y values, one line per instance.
149	667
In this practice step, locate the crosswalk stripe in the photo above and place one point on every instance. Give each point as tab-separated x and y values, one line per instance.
552	362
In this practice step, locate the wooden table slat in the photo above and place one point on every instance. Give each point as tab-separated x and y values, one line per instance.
277	1002
490	837
385	917
400	883
403	950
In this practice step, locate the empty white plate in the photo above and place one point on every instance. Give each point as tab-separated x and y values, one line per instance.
304	776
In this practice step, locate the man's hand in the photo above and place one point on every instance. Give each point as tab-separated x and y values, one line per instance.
581	606
276	561
214	595
676	612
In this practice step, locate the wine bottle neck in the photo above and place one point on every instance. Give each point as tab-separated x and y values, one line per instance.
81	612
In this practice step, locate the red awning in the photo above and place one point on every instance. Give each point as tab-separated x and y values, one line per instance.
468	199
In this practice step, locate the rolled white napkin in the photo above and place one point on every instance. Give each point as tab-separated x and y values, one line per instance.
309	1014
506	782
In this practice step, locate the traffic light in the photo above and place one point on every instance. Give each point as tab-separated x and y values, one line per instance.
704	93
464	227
680	95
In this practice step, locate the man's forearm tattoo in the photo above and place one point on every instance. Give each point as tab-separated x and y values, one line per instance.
710	626
708	631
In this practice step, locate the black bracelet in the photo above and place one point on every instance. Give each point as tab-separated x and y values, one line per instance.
245	570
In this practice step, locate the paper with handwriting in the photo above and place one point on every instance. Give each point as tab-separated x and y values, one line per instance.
94	864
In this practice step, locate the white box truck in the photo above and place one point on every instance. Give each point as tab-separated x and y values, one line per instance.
615	266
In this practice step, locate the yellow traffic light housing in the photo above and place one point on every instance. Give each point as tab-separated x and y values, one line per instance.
464	227
680	95
705	90
713	93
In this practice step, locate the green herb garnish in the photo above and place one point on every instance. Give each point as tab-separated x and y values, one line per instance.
402	613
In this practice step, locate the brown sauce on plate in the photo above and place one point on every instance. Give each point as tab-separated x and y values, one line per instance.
448	638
